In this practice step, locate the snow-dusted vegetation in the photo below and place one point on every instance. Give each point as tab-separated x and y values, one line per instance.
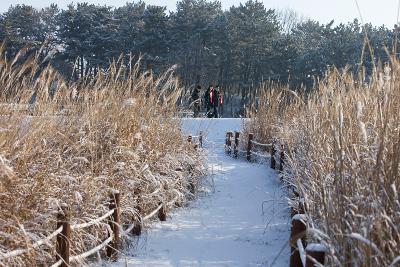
343	142
93	145
241	217
72	143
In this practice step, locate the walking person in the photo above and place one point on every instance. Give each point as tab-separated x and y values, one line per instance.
215	102
219	91
196	101
207	101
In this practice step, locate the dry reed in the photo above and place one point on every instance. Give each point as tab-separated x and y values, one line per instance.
344	154
74	142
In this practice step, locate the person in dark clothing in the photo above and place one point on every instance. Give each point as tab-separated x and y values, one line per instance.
219	91
207	101
196	101
215	102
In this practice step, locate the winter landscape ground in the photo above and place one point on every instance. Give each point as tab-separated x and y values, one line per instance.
93	145
227	225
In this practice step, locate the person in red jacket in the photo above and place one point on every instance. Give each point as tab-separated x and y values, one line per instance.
208	101
216	100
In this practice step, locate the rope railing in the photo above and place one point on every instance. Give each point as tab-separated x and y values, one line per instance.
83	256
128	230
93	222
64	227
156	191
260	144
57	264
199	138
301	255
131	227
173	201
259	155
151	214
232	147
35	245
159	208
86	254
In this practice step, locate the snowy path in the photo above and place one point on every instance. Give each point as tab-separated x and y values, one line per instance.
226	227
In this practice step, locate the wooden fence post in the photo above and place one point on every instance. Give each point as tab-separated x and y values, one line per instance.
63	239
282	158
300	209
227	137
294	190
298	230
162	213
192	188
273	152
114	223
236	146
317	252
201	139
249	146
229	142
137	229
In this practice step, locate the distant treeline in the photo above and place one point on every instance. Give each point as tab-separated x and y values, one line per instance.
240	47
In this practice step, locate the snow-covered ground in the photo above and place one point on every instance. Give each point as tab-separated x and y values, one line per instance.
242	221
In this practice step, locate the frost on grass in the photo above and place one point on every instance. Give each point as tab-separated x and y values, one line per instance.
342	144
79	143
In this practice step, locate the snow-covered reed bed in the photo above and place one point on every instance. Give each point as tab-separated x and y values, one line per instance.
76	143
344	156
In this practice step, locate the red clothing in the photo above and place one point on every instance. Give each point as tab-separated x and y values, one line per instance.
219	96
219	99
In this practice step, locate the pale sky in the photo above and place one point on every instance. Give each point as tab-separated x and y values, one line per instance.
376	11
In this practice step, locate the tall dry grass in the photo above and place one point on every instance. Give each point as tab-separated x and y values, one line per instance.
344	158
80	140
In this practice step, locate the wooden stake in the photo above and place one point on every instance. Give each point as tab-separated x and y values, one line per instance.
201	139
229	142
162	214
236	147
282	159
249	146
273	161
63	239
192	188
316	252
298	230
137	229
114	223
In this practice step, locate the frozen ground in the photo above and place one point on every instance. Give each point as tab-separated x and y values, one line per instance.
241	221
